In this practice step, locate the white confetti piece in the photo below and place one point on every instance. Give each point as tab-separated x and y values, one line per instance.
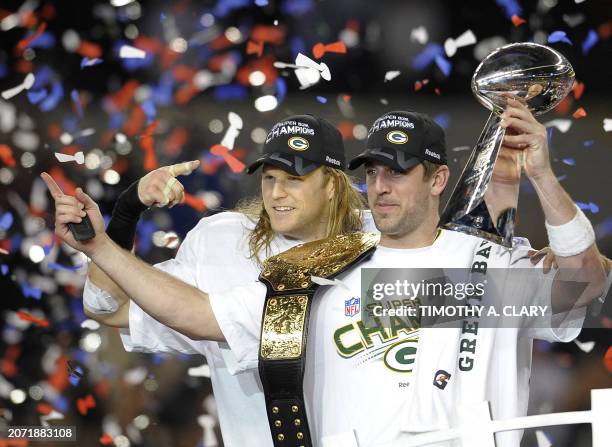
232	131
465	39
208	423
27	83
461	148
120	3
92	325
390	75
199	371
136	376
586	346
542	439
562	125
328	282
419	35
307	71
52	416
607	124
79	157
129	52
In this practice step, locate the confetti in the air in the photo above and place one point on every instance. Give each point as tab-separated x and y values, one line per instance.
559	36
391	75
579	113
419	35
129	52
27	83
586	346
561	124
465	39
517	21
607	124
232	131
320	49
78	158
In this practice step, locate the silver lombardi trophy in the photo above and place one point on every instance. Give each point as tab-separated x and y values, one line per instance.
534	74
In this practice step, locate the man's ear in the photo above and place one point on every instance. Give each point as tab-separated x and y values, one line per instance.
440	180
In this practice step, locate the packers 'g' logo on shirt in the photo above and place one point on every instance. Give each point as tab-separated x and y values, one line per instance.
397	137
298	143
401	356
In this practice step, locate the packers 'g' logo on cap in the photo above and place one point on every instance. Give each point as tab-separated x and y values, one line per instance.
397	137
298	143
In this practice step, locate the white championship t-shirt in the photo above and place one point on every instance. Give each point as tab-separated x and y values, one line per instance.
214	257
360	380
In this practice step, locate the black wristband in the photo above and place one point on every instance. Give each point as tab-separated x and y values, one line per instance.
123	222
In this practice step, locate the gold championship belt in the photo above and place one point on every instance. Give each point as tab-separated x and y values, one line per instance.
284	329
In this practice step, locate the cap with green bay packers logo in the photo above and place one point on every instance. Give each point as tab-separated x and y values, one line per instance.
301	143
402	140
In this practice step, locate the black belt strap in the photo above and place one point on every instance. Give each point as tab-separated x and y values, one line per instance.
284	333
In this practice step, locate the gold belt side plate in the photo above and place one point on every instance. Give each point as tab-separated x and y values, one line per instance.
283	324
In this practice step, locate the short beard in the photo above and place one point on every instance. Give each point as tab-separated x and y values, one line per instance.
403	225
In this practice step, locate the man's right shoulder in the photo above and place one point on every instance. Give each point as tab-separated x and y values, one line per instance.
226	222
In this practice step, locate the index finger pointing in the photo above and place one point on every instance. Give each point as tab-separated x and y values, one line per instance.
183	168
54	189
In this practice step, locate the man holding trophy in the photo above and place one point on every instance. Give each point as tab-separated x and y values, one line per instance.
349	384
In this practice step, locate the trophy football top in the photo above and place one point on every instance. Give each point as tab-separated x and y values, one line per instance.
536	73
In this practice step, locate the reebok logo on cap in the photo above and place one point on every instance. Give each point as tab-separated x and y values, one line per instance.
332	160
432	154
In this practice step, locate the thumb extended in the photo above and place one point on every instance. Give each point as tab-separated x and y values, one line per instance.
85	199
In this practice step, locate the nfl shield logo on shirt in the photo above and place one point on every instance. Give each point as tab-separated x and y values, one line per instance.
351	306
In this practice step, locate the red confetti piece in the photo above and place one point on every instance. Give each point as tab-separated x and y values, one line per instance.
42	322
85	404
9	366
353	25
274	35
608	360
15	442
124	96
168	57
438	91
255	48
418	85
148	44
64	183
54	131
48	11
135	121
264	64
23	66
346	129
518	21
579	113
185	93
319	49
59	379
44	408
220	43
564	106
194	202
183	73
605	30
146	144
346	98
106	439
89	49
6	155
578	89
176	141
234	164
23	43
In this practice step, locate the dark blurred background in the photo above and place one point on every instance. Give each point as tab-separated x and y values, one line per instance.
204	60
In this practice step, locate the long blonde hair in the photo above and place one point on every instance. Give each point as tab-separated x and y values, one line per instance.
344	213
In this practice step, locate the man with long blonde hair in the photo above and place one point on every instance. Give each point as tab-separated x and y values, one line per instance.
305	196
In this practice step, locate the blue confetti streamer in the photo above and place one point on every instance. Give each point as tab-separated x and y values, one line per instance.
31	292
591	39
230	92
53	99
162	93
74	95
45	40
149	109
56	266
87	62
511	7
36	96
604	228
3	70
261	2
559	36
427	56
296	8
42	77
297	45
322	99
444	65
281	89
592	207
224	7
569	161
4	269
6	220
442	120
588	143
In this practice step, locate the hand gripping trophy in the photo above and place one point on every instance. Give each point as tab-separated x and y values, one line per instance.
538	76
